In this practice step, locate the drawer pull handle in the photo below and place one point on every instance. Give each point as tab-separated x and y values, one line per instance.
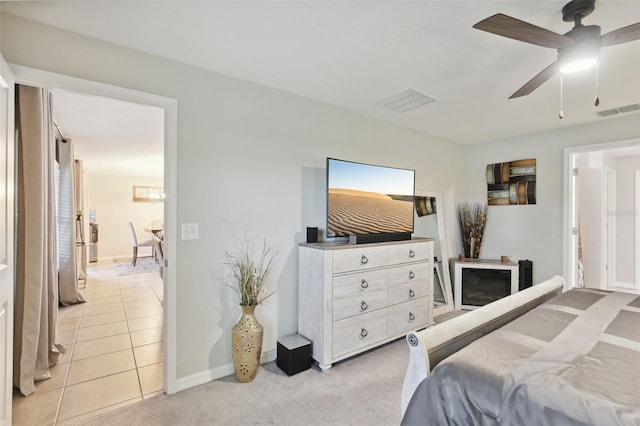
411	316
363	306
412	253
364	260
364	284
411	275
363	333
411	293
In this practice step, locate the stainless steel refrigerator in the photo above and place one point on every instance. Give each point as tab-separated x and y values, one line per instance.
93	245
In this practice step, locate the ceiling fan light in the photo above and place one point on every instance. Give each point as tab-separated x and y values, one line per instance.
578	65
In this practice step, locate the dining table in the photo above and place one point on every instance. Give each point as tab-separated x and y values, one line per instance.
153	229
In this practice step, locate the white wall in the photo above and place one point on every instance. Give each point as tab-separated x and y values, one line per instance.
112	198
250	159
625	219
535	232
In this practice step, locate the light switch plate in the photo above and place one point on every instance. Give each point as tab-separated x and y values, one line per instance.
190	231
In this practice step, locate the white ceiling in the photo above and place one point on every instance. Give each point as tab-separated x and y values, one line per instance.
111	136
353	53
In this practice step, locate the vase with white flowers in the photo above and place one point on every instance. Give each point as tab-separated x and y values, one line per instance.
249	273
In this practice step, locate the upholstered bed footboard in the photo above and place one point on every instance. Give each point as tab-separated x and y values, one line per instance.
431	345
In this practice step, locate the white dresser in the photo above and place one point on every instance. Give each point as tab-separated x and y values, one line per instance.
352	298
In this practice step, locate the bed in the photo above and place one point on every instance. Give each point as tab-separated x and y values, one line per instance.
540	356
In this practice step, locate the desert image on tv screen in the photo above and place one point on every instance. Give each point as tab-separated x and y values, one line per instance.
366	199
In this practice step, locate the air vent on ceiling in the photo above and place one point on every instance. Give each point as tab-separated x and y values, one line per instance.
620	110
406	100
630	108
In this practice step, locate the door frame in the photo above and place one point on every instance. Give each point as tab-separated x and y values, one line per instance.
609	231
637	229
45	79
570	220
7	252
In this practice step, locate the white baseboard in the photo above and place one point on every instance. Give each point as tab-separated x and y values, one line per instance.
112	258
625	285
122	256
216	373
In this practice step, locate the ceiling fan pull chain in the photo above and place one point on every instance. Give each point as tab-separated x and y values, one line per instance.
597	100
561	115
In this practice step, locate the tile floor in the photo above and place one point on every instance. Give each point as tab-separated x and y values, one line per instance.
114	351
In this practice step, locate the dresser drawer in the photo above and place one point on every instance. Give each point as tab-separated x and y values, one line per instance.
408	316
359	304
407	291
359	283
409	273
359	293
412	252
359	258
354	333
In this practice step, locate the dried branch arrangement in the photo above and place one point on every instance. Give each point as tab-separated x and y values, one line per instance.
248	273
472	218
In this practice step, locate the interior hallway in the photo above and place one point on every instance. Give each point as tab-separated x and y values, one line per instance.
114	350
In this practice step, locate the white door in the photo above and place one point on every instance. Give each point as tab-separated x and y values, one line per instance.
6	239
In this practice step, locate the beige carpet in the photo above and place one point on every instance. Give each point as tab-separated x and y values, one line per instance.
364	390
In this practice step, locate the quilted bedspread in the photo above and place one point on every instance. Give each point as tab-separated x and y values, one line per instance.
573	360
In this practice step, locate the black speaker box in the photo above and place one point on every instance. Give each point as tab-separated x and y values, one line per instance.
312	234
294	354
525	274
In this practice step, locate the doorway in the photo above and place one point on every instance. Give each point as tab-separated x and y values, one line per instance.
600	210
169	110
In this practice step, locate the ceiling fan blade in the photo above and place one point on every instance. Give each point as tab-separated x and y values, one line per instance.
537	81
622	35
516	29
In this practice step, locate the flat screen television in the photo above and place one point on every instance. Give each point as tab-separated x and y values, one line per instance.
369	202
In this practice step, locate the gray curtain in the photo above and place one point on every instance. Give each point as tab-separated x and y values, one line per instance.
67	206
36	298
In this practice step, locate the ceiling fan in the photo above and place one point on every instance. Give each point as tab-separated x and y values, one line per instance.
577	49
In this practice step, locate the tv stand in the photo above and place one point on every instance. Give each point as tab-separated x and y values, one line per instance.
352	298
379	238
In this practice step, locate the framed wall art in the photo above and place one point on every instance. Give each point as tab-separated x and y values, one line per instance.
148	193
511	183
